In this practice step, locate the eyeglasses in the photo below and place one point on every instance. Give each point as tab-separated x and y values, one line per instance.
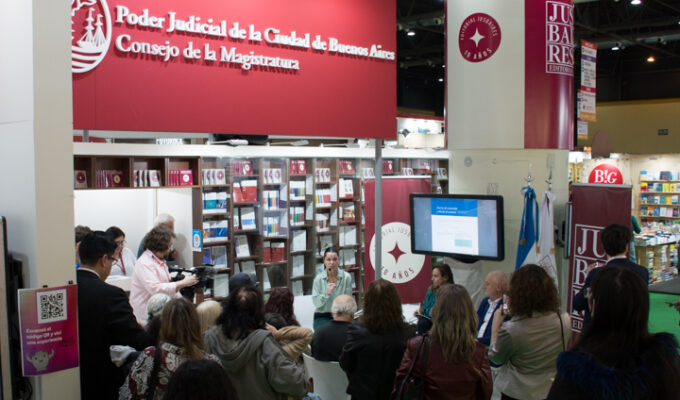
121	243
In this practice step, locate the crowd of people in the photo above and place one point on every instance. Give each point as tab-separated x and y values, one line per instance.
516	344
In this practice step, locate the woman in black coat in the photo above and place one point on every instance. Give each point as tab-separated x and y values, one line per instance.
375	346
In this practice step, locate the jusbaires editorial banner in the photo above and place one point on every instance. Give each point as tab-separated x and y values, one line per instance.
294	67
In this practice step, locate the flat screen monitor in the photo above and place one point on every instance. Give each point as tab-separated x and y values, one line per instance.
465	227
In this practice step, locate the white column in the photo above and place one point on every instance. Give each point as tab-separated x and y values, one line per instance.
36	152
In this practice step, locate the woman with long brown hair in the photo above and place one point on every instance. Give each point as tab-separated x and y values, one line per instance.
180	340
457	364
375	345
527	345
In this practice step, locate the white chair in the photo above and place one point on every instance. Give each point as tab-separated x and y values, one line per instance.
330	381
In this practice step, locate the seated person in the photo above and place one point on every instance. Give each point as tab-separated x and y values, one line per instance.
329	339
495	285
441	274
293	339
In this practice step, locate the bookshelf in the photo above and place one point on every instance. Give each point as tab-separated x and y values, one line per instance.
659	200
230	185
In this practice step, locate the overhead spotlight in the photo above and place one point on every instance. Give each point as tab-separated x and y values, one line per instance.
616	47
651	59
635	2
411	33
440	80
443	65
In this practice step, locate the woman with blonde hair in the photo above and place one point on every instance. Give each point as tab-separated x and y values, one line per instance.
180	340
208	311
457	366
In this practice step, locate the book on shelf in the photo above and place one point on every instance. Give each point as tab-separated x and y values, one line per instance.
237	193
297	267
322	222
367	173
672	187
270	199
322	197
278	251
665	187
346	167
207	255
296	288
209	201
236	222
643	186
221	285
214	176
243	167
241	246
80	179
674	199
297	167
219	256
299	241
185	177
407	171
247	218
272	175
297	190
266	285
323	175
249	190
325	241
266	252
271	225
442	173
665	175
423	166
348	235
643	199
346	188
388	167
297	216
347	212
247	267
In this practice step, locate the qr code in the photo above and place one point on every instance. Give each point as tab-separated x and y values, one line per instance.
52	306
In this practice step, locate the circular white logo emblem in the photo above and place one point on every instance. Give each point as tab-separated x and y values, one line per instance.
399	265
90	34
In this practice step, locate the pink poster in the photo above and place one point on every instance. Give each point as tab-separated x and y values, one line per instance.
48	322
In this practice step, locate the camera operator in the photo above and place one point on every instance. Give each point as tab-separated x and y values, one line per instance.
202	273
151	274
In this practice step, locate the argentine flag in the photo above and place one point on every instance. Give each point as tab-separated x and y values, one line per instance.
528	234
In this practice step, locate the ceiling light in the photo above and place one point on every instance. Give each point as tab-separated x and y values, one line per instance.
635	2
616	47
440	79
411	33
443	66
651	59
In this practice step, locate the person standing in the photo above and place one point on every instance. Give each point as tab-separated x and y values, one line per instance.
125	258
105	318
151	274
328	285
615	241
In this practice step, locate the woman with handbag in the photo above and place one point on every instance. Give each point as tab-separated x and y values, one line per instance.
180	340
527	345
449	363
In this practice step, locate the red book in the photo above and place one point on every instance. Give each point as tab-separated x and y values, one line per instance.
186	177
278	253
237	193
301	168
266	253
249	190
117	178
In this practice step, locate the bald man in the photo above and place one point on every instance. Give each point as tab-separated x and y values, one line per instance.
329	339
494	286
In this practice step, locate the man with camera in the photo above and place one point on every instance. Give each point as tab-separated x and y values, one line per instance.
151	274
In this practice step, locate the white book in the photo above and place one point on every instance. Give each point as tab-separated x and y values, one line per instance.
325	241
299	242
241	248
248	218
265	281
348	257
297	266
221	285
248	267
350	235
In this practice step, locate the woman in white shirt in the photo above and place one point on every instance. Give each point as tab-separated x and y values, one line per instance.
125	258
151	274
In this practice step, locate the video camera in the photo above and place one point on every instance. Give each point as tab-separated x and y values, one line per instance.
203	272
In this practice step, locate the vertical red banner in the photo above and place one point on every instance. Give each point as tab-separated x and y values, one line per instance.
549	74
593	207
409	272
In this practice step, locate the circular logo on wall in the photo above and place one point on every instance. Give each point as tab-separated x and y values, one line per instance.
399	265
607	174
90	34
479	37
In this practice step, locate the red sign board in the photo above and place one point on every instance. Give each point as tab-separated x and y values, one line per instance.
294	67
409	272
606	174
593	208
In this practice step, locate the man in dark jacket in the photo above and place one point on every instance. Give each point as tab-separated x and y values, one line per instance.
104	318
329	339
495	284
615	241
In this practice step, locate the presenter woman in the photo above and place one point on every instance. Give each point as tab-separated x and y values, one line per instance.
328	285
441	274
151	274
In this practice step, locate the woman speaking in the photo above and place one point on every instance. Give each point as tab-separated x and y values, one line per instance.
328	285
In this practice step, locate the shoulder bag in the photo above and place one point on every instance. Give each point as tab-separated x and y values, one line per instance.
412	387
